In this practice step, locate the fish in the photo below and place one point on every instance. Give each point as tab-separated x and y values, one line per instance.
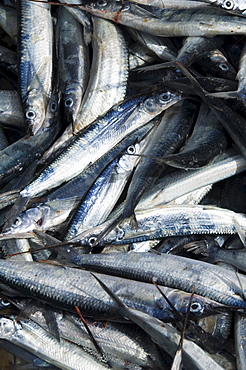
76	287
165	336
206	143
168	22
178	220
73	62
29	335
206	279
87	146
35	65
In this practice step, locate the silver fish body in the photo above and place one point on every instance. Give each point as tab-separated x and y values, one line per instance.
35	66
169	22
178	220
29	335
66	287
73	64
180	182
87	146
207	280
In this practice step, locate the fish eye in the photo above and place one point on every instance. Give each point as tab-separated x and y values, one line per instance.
195	307
164	97
92	240
69	102
53	106
223	66
17	222
228	4
120	233
102	3
30	114
131	149
126	7
4	303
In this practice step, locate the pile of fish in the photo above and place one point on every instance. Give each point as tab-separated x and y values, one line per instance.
123	193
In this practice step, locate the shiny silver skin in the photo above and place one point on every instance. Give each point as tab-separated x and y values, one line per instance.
169	22
21	153
43	216
166	336
165	138
240	344
11	110
214	282
87	148
118	341
161	47
73	62
19	246
66	287
108	77
105	192
139	56
35	64
180	182
241	91
170	3
30	336
55	209
178	220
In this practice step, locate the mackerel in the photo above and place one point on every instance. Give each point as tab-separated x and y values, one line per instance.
29	148
165	138
165	336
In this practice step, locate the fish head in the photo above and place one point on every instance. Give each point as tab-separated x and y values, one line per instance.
236	5
52	110
232	6
72	97
199	306
159	102
34	112
224	68
27	221
8	327
103	7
